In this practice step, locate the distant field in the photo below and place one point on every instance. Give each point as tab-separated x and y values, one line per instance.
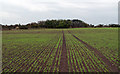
60	50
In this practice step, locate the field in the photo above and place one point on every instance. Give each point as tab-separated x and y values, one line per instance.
60	50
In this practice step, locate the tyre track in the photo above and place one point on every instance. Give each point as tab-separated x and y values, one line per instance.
103	58
64	60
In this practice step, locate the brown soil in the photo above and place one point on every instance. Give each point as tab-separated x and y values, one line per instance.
64	60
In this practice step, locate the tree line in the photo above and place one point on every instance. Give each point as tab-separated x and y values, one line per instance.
75	23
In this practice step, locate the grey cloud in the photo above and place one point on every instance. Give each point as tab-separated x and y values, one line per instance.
93	11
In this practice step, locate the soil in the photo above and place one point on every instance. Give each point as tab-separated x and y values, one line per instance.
64	59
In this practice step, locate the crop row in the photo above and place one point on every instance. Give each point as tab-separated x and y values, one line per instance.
105	40
81	59
28	57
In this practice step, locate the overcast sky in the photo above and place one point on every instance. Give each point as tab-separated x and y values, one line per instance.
90	11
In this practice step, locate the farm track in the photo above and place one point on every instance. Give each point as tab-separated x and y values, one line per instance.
104	59
64	60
